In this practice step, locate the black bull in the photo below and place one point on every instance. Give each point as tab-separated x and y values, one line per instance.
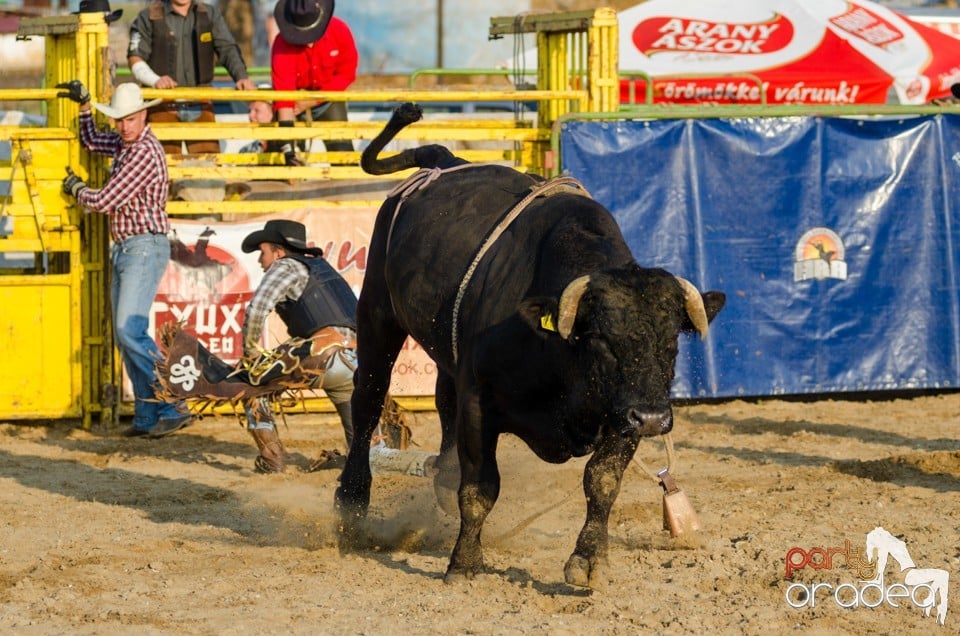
553	333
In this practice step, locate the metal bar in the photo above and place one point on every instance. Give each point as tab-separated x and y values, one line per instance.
462	72
181	208
218	71
30	178
541	22
341	131
399	95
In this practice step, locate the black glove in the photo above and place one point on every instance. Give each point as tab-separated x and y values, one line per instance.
72	184
289	154
75	91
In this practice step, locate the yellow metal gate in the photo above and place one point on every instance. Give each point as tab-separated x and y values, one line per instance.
58	358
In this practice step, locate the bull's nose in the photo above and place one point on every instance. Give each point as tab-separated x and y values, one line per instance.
648	423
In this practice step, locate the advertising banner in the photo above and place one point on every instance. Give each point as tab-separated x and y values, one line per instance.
836	241
210	281
814	51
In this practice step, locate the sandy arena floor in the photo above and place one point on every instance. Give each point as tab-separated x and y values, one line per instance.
103	535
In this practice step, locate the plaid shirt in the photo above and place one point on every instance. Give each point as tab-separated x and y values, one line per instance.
286	278
135	195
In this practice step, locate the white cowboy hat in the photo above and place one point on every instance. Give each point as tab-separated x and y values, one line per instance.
126	100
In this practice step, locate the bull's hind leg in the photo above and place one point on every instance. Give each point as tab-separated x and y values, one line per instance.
379	340
447	480
601	485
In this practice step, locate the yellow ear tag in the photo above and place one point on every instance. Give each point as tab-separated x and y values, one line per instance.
206	36
546	322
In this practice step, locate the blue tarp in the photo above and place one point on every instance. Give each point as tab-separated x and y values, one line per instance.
835	239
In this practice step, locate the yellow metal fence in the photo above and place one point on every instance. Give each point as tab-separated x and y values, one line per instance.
55	319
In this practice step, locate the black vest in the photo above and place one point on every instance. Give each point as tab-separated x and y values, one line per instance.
162	55
326	301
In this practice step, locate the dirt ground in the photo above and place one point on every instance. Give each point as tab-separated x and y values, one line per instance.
100	534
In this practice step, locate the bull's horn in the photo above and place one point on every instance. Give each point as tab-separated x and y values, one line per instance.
694	304
569	300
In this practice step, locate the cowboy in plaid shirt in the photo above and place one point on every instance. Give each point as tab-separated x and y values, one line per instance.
135	197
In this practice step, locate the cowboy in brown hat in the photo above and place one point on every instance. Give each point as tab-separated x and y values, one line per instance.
316	304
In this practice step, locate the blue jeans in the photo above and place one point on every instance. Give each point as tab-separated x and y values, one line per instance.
137	265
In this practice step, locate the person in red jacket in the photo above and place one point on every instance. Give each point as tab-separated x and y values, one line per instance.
314	51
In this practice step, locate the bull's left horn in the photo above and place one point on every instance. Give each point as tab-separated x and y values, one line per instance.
569	301
694	304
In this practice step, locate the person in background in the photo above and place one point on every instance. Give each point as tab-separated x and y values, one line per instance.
99	6
315	303
135	198
173	44
259	112
314	51
240	16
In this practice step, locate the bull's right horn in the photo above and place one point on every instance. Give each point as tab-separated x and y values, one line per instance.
694	305
569	301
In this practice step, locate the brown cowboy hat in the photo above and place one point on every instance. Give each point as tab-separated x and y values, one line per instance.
303	22
289	234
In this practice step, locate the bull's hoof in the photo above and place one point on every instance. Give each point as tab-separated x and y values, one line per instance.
459	575
352	535
455	578
584	572
351	516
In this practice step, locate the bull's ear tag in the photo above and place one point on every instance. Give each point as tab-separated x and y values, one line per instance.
678	513
547	323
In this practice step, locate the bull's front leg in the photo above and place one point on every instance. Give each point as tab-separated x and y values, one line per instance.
479	488
377	349
586	567
352	497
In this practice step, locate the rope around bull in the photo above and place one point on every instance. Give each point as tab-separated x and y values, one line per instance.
539	190
425	176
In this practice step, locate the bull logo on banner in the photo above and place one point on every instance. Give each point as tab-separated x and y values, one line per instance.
207	288
819	254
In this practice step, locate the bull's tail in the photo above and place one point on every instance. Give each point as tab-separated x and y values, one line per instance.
432	156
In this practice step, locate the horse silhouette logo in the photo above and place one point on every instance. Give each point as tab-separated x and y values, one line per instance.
925	588
881	546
